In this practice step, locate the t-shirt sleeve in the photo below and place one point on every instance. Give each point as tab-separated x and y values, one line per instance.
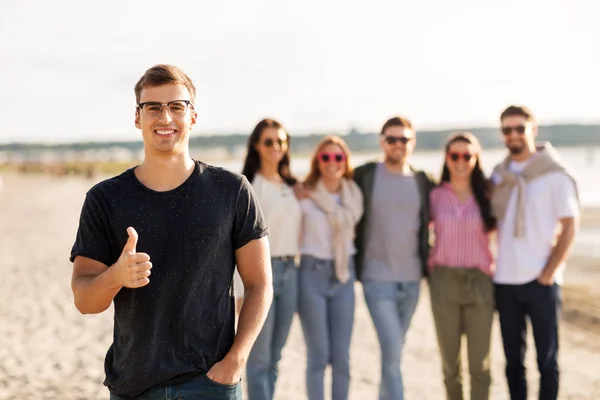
249	222
92	239
566	201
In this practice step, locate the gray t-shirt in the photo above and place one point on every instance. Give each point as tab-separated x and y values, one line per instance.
392	251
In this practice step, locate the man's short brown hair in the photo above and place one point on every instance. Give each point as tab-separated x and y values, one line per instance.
162	74
396	121
521	111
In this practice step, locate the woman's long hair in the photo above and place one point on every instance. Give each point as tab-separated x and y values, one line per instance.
252	161
314	174
480	185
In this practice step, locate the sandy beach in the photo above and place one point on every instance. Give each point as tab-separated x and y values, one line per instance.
50	351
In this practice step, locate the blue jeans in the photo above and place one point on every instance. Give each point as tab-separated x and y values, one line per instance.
542	304
326	310
261	369
199	387
391	305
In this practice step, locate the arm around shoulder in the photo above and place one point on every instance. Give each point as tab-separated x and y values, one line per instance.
431	181
360	171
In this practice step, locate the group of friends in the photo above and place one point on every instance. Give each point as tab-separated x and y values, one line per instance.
162	242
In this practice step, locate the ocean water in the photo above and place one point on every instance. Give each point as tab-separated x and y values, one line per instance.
583	162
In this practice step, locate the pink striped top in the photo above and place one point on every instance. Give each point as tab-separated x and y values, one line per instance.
460	237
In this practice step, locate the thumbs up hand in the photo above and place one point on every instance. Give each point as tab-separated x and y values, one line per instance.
132	269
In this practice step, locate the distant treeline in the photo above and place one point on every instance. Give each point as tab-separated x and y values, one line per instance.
559	135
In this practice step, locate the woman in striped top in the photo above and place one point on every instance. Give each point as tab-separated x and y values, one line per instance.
461	265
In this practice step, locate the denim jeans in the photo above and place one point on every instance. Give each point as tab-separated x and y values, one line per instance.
542	304
326	309
261	369
200	387
391	305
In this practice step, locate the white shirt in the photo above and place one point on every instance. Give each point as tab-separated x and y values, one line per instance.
282	213
317	238
547	199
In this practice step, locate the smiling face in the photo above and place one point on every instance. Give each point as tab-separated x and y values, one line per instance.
272	145
165	134
331	162
461	159
397	143
519	134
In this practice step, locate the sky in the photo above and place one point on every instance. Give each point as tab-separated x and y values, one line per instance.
68	67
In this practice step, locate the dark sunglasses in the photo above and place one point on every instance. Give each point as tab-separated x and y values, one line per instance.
506	130
327	157
270	142
395	139
456	156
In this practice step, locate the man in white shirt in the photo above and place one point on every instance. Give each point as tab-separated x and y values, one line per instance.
536	203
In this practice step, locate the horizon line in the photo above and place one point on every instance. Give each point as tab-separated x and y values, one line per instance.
206	133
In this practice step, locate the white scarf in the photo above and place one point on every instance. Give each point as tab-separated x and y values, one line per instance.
342	218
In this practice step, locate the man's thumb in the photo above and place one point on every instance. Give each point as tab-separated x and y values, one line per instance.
131	241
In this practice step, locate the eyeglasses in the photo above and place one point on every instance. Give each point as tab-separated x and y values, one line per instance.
327	157
456	156
270	142
153	109
391	140
520	129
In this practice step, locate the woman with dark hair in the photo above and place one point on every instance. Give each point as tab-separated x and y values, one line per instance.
326	302
267	167
461	266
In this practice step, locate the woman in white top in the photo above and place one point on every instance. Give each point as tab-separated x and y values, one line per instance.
267	168
326	284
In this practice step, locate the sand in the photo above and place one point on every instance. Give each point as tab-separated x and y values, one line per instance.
50	351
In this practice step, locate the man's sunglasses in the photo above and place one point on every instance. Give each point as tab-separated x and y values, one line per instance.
506	130
391	140
270	142
457	156
327	157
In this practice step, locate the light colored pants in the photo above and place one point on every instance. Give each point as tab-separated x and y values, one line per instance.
326	309
262	366
391	305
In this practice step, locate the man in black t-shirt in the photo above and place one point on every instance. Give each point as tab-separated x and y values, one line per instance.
190	224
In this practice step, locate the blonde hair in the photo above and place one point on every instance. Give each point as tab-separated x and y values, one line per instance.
314	174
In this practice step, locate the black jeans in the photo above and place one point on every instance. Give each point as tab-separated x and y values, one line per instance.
542	305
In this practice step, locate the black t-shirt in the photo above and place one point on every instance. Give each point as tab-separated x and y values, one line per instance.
182	322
